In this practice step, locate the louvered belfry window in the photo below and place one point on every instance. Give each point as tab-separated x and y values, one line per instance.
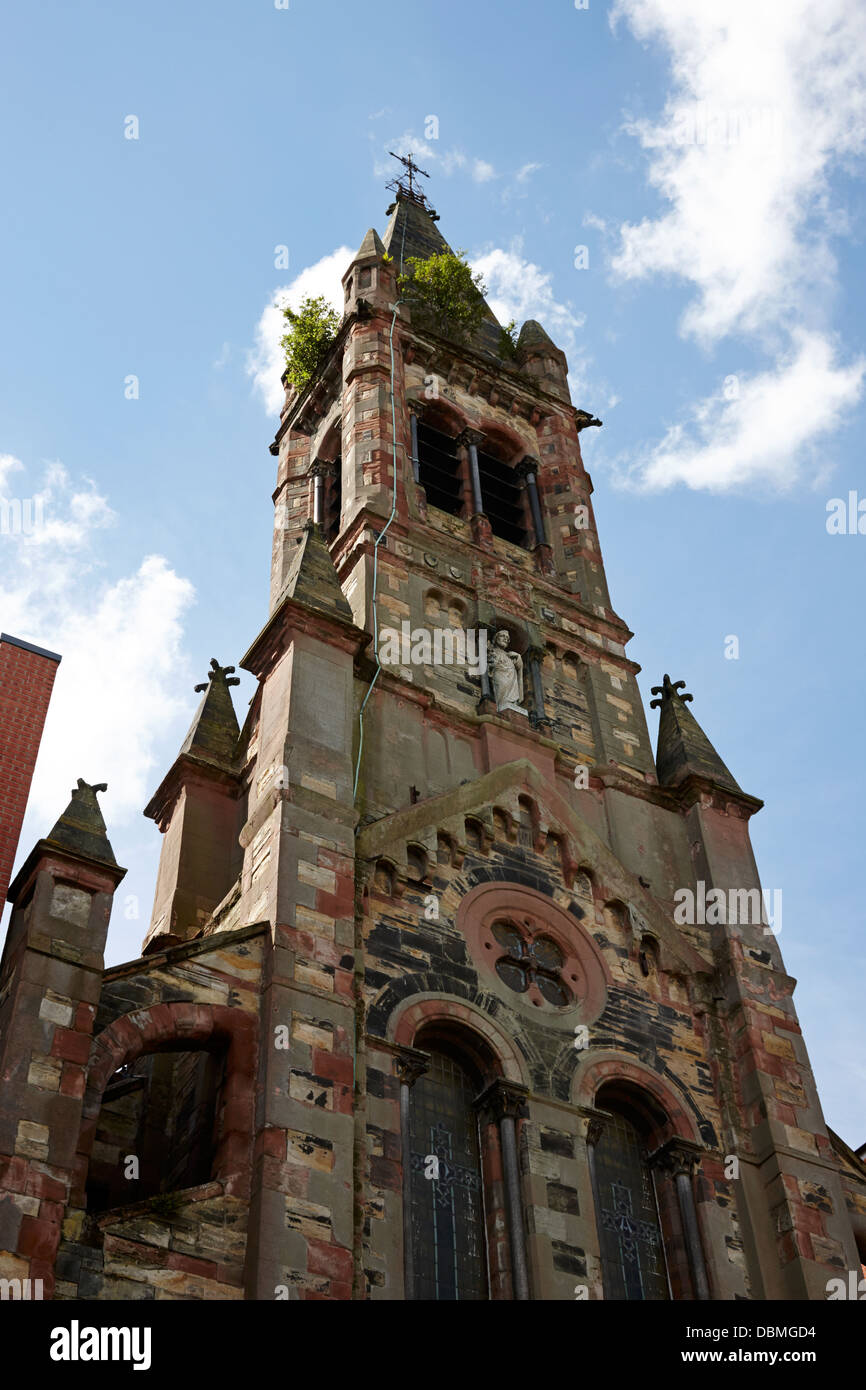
448	1239
503	498
632	1252
332	501
439	470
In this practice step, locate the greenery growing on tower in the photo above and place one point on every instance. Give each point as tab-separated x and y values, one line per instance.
312	330
447	291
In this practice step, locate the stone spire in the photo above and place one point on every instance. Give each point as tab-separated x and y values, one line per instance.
214	731
412	231
371	246
539	357
312	579
683	748
81	828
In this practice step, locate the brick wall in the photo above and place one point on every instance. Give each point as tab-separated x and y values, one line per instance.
26	679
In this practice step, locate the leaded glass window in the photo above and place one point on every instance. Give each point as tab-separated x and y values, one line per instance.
537	960
632	1252
448	1240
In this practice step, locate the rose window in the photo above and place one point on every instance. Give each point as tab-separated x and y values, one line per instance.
530	960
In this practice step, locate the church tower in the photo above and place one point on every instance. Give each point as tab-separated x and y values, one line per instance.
453	988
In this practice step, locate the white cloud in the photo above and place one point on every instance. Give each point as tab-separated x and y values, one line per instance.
765	99
526	170
519	289
122	677
482	172
765	102
759	429
265	361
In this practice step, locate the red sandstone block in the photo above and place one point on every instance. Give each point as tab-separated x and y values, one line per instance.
84	1016
331	1260
185	1018
14	1173
343	1102
38	1238
807	1219
236	1117
343	983
205	1269
162	1023
341	1291
385	1173
73	1080
43	1186
272	1142
51	1211
71	1046
329	1067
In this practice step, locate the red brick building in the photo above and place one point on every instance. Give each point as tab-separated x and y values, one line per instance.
418	1014
26	681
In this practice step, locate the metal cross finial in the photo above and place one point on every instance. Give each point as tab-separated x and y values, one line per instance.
406	184
217	670
413	169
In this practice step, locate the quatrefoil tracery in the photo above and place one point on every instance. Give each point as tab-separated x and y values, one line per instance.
530	960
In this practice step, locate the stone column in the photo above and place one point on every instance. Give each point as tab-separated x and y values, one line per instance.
410	1064
470	439
319	472
534	658
487	699
506	1102
681	1160
528	470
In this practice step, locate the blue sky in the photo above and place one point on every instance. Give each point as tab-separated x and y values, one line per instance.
709	159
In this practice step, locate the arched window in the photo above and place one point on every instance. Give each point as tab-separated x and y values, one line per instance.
447	1191
440	471
504	499
629	1226
161	1111
332	501
416	863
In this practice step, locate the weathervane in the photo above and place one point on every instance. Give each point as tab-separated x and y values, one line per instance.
399	185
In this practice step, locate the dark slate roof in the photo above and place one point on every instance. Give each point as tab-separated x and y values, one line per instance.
533	335
370	246
214	731
81	828
683	748
412	231
313	579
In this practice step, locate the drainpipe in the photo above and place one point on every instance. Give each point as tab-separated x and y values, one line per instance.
415	413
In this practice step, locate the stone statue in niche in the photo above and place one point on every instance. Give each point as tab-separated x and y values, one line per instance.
506	674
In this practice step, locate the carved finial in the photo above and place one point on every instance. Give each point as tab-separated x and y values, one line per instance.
88	787
667	690
217	670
